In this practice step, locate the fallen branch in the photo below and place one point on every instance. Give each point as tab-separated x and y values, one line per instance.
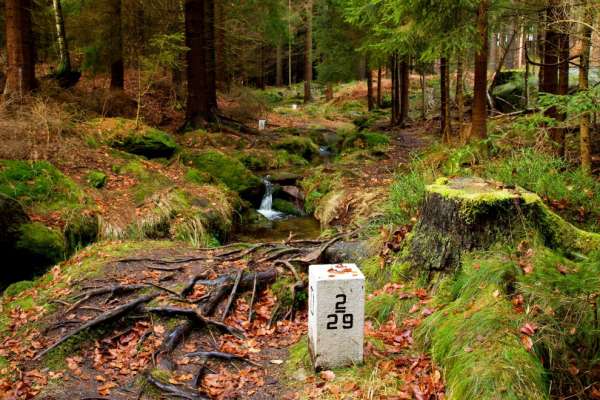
107	316
192	282
116	289
175	390
238	278
252	299
172	341
222	356
195	316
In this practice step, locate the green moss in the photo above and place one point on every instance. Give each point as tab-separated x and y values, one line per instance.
17	287
363	140
148	183
40	185
42	246
299	145
286	207
227	169
298	356
97	179
475	338
380	307
149	142
198	177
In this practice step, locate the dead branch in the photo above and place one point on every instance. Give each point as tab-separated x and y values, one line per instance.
115	289
192	282
105	317
222	356
238	278
171	342
174	390
252	300
195	316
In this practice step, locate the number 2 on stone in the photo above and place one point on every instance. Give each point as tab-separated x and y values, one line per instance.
340	308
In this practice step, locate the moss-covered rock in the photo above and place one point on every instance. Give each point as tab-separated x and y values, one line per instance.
39	246
364	140
97	179
299	145
286	207
149	142
228	170
12	217
80	231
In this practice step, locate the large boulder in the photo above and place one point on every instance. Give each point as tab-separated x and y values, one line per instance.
299	145
12	217
229	171
149	142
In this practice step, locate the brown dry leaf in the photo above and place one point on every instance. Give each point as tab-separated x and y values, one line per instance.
327	375
527	342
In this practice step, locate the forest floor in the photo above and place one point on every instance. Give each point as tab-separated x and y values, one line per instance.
268	357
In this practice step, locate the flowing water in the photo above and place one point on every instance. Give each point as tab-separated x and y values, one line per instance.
282	225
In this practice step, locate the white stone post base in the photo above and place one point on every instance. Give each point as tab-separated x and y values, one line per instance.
336	315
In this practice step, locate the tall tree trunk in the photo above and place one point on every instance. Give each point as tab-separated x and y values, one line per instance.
521	47
63	47
20	73
369	74
308	62
117	67
584	68
201	103
404	91
379	89
290	43
493	44
423	94
549	71
395	67
460	98
445	126
209	48
329	91
279	64
479	118
220	49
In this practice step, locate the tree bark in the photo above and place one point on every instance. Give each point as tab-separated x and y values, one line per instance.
404	90
369	74
308	58
549	71
279	64
394	61
379	89
117	67
220	49
63	48
445	127
423	94
460	98
201	96
479	118
493	45
584	68
20	73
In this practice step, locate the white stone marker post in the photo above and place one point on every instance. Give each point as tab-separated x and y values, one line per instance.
336	315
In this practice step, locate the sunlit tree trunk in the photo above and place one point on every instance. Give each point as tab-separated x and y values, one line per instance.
63	48
404	90
117	67
279	64
460	99
308	61
379	88
584	68
445	126
369	75
20	72
479	118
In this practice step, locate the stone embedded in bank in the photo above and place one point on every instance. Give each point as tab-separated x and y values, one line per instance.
336	315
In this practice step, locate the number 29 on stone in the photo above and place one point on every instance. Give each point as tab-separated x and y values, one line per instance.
347	320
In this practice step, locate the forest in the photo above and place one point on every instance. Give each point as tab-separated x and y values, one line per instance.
173	173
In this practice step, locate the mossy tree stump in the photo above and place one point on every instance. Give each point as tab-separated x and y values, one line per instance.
465	214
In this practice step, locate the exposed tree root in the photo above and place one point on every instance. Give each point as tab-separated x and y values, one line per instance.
222	356
113	290
173	339
238	278
107	316
175	391
195	316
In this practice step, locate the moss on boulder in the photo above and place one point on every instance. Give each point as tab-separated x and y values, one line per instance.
228	170
299	145
286	207
148	142
97	179
40	246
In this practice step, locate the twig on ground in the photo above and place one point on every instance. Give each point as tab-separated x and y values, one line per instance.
238	278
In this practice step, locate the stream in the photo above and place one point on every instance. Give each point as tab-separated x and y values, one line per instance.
281	224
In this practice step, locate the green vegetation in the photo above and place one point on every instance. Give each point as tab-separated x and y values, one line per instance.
42	245
286	207
298	145
97	179
149	142
40	185
227	169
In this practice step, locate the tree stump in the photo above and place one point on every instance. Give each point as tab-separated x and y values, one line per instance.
465	214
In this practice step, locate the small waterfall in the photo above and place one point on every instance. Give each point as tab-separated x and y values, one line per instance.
266	205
